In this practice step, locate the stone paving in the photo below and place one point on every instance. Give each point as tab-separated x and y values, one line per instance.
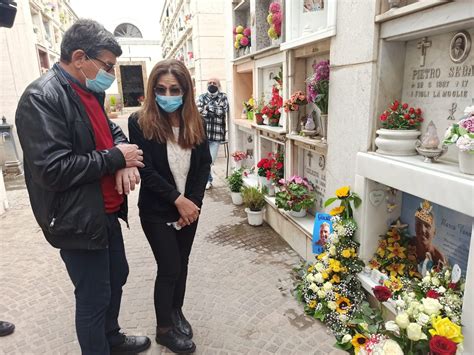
238	297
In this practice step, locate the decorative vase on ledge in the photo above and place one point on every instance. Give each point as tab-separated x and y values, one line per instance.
259	118
466	163
298	214
397	142
274	122
323	119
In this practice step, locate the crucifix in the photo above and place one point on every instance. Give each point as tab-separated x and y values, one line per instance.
424	44
309	155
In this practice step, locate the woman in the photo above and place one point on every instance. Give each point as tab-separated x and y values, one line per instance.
177	161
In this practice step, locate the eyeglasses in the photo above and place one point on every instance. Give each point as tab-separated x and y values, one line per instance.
108	67
173	91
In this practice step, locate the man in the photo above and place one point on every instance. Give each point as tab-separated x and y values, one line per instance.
77	165
458	48
213	107
324	232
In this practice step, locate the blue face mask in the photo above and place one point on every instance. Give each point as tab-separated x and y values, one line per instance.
102	81
169	103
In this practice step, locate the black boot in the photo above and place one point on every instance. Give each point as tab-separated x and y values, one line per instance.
181	324
131	345
6	328
175	341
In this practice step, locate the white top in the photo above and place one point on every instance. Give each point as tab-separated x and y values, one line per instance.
179	160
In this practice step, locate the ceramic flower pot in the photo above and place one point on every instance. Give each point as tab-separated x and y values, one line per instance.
236	198
298	214
466	163
274	122
396	142
250	115
255	218
259	118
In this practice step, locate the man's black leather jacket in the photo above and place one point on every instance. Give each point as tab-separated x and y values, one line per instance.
63	169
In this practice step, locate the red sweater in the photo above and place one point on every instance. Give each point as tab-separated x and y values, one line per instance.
103	140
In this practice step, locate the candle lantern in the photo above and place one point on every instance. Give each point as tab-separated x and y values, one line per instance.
8	154
428	145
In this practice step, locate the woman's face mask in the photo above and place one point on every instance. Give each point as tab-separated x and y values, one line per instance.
169	103
168	93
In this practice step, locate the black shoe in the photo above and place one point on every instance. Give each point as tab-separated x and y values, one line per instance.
176	342
181	324
6	328
131	345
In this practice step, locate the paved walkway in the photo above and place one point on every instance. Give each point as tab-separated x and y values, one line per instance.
238	298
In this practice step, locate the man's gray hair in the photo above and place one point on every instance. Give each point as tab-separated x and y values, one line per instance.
91	37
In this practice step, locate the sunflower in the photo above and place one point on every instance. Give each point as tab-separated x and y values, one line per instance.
343	192
337	210
343	305
358	341
346	253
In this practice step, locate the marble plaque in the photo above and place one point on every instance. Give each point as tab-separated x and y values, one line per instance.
314	169
307	17
436	84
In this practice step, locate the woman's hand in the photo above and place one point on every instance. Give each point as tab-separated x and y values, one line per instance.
188	211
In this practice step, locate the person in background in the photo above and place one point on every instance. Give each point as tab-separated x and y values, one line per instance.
77	165
214	107
177	161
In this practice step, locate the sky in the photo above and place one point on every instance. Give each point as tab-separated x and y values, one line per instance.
145	14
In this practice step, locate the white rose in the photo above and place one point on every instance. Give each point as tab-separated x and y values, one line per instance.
391	326
346	338
319	267
327	286
402	320
319	278
332	250
426	279
460	349
414	332
431	306
435	281
400	303
321	294
313	287
391	347
423	319
310	278
335	238
468	110
332	306
441	289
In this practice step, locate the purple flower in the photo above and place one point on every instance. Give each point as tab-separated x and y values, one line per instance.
468	124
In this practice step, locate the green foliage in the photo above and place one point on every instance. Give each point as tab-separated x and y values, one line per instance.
253	198
236	181
113	101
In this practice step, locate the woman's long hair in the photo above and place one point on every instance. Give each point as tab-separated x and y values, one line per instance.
155	123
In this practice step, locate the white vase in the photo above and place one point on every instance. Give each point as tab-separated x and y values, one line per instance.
298	214
294	121
255	218
397	142
324	126
466	163
238	164
236	198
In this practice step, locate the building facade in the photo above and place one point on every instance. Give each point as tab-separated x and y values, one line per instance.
191	31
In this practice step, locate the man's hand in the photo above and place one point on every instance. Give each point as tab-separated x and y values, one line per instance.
126	179
132	154
188	211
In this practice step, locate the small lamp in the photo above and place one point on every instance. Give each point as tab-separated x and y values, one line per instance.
8	153
429	143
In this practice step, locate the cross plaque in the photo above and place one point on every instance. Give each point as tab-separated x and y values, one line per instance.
423	45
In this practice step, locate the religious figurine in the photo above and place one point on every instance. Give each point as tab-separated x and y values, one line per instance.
310	125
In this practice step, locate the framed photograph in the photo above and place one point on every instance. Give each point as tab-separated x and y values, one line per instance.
313	5
321	231
460	47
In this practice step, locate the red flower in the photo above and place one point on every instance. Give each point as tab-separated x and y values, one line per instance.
418	111
405	106
382	293
411	122
452	285
411	110
432	294
442	346
383	117
406	116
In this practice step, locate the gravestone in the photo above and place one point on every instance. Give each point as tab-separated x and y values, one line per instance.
439	80
314	169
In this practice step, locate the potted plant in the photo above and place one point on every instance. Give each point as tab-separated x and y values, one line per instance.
270	171
292	107
249	107
462	134
318	92
273	108
258	110
239	156
296	195
399	131
274	19
254	201
236	182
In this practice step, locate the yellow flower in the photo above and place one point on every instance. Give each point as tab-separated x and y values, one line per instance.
337	210
346	253
343	191
311	268
325	275
237	45
312	304
343	305
358	341
445	328
336	278
396	269
321	256
374	264
397	251
381	252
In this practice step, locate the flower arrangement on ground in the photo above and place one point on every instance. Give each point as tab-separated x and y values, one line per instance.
295	101
462	133
318	86
401	117
241	37
271	167
274	19
296	194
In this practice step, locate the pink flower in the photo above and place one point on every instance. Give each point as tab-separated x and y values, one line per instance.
278	28
244	41
298	180
274	7
276	18
247	32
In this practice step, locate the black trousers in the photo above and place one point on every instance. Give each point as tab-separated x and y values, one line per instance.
98	277
171	249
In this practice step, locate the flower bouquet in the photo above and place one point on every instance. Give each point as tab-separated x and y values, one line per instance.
462	134
273	109
401	116
238	157
274	19
318	86
242	37
271	168
295	101
296	195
